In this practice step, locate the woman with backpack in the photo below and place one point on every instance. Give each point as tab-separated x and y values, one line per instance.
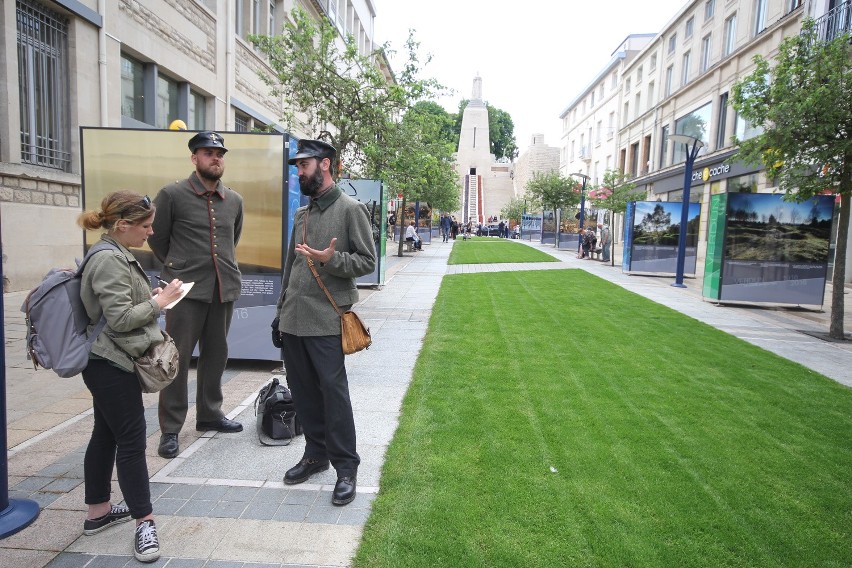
115	286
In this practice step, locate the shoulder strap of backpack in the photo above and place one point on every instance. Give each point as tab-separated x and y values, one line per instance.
98	247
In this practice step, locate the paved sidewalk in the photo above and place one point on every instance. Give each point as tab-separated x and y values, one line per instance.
221	502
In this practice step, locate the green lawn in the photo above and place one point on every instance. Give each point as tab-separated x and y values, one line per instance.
555	419
485	250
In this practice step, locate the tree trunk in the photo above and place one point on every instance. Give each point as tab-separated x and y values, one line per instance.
838	280
400	222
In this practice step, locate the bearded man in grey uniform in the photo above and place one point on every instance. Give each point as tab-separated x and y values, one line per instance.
334	231
196	231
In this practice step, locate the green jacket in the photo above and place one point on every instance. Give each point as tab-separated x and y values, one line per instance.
115	285
196	235
303	308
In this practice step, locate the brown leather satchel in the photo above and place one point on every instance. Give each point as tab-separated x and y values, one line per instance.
353	333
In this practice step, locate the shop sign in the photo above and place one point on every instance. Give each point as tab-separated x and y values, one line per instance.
710	172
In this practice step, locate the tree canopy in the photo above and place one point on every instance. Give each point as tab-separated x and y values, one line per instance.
803	103
552	191
514	209
613	193
382	128
330	90
415	159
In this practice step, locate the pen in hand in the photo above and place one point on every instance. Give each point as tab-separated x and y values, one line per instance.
160	280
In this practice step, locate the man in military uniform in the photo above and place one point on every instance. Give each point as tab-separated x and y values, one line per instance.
196	230
334	232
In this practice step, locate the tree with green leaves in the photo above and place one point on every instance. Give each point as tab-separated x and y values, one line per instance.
501	130
515	209
442	124
552	191
804	105
334	92
614	193
415	160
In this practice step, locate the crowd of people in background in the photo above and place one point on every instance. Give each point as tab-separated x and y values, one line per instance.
592	242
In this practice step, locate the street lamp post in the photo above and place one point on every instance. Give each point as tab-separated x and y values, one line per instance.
692	152
585	179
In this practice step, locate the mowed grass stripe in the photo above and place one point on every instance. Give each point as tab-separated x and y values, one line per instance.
675	444
486	250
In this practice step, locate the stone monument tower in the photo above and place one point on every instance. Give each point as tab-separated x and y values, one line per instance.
486	185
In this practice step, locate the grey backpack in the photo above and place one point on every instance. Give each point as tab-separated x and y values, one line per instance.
57	320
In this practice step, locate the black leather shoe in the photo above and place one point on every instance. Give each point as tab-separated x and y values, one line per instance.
168	446
221	425
344	491
300	472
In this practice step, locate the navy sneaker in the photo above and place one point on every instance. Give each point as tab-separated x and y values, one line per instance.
117	514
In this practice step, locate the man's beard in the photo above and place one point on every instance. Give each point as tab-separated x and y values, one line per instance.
310	186
209	174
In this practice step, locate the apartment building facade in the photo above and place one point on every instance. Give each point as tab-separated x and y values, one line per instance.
123	63
591	121
703	51
538	158
680	83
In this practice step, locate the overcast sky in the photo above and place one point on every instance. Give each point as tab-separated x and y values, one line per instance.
534	57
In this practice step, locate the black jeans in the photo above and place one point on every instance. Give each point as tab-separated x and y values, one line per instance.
316	374
118	437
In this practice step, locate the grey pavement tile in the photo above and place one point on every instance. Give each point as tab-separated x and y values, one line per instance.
326	514
224	564
107	561
294	513
260	511
299	497
31	484
62	485
240	494
196	508
18	494
69	560
228	509
157	489
364	500
186	563
211	492
44	499
268	494
55	469
166	506
353	516
262	565
75	458
180	491
77	471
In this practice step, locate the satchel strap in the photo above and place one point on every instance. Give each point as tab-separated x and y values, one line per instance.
321	285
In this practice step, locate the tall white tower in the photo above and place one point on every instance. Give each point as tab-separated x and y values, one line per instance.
485	186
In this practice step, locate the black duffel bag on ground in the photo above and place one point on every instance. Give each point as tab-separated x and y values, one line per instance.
277	423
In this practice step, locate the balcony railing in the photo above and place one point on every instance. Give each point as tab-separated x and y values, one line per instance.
835	22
